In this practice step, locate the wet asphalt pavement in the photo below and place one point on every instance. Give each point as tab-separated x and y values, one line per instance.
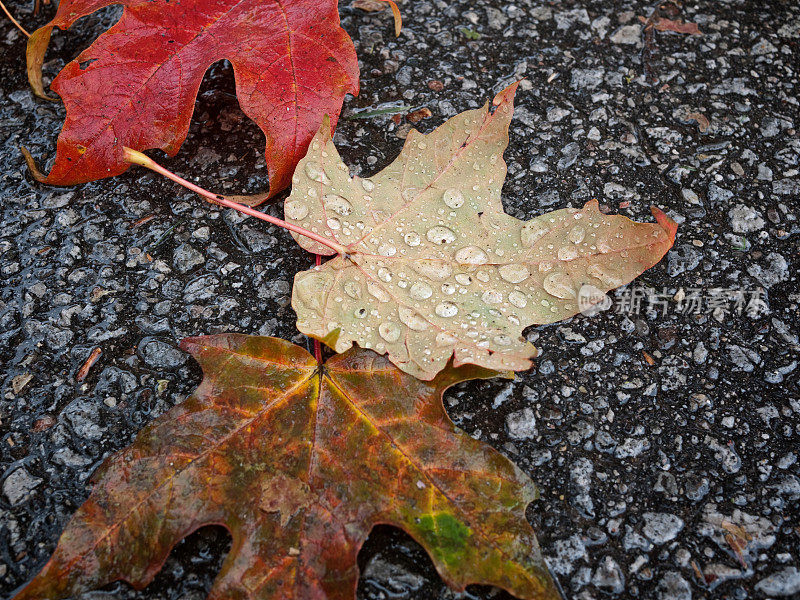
663	432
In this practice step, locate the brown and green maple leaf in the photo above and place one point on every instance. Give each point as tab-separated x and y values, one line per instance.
299	462
431	265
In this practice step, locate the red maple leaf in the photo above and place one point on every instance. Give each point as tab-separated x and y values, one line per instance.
136	85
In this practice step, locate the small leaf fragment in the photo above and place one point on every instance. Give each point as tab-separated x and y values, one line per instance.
689	28
470	33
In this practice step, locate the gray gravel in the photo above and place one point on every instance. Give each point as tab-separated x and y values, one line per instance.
664	440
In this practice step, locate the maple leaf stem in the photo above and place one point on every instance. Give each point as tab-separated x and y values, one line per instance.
317	344
13	20
137	158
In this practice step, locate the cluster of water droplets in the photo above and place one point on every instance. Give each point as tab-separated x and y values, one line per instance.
326	200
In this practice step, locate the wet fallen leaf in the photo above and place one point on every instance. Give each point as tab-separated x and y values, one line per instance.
20	382
434	267
417	115
299	463
378	112
43	424
702	121
154	59
381	5
662	24
369	5
737	538
469	33
84	370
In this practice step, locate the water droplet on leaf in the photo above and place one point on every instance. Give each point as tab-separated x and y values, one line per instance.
576	234
446	309
412	239
531	232
389	331
440	235
387	249
412	319
420	291
471	255
377	291
352	289
433	269
335	203
295	210
492	297
514	273
518	299
567	253
453	198
559	285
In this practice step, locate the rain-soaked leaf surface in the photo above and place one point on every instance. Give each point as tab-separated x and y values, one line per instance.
434	268
299	463
136	85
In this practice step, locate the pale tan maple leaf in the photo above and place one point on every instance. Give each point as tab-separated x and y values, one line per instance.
434	267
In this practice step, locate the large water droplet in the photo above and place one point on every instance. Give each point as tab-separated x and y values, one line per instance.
567	253
446	309
384	274
502	340
420	291
440	235
389	331
453	198
492	297
412	238
514	273
378	292
352	289
609	278
471	255
463	278
412	319
595	270
387	249
576	234
433	269
367	185
518	299
531	232
295	209
559	285
448	288
312	288
360	313
445	339
334	224
604	246
335	203
315	173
